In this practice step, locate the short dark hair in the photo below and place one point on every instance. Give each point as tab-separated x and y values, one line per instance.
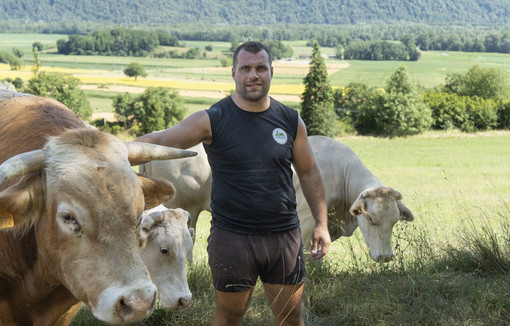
252	47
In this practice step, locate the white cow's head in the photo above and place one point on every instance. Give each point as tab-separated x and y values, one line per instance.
165	245
377	210
83	202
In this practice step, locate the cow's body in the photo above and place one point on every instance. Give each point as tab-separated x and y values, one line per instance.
193	178
352	194
346	181
167	245
75	206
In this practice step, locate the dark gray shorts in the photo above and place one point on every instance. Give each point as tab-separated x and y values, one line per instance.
237	260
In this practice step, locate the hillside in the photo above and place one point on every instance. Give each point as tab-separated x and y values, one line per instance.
244	12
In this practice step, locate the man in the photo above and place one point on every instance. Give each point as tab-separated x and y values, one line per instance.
251	141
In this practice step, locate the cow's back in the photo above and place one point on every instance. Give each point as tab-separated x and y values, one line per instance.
192	180
27	121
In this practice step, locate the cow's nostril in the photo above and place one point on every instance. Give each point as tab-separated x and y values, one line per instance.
125	309
183	302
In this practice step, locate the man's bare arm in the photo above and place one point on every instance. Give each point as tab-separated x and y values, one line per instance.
313	190
194	129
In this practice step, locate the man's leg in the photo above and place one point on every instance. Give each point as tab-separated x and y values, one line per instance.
231	307
285	302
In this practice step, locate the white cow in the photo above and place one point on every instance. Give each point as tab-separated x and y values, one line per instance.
193	179
165	245
355	197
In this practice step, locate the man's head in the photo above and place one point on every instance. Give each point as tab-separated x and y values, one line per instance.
252	47
252	72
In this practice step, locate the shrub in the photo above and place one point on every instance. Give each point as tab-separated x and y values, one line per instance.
467	113
504	115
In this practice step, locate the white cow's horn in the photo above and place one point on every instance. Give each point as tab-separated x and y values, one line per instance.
21	164
140	153
151	219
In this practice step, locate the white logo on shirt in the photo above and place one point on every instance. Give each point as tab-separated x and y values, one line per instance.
280	136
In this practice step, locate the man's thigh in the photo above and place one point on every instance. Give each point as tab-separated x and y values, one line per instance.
285	302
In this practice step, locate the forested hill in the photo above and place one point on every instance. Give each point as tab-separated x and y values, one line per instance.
248	12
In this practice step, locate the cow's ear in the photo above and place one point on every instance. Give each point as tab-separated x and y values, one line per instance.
405	213
22	203
358	207
155	191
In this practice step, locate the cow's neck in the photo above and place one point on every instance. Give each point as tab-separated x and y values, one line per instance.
40	299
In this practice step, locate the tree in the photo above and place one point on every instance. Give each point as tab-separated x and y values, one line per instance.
487	83
317	100
126	109
17	52
135	69
15	63
37	45
37	62
161	109
398	111
63	88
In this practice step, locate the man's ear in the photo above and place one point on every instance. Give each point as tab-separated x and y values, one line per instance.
155	191
22	203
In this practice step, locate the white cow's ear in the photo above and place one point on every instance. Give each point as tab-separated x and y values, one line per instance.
357	208
405	213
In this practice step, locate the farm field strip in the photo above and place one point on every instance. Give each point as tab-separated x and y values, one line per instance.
99	77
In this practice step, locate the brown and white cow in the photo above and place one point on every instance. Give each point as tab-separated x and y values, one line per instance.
69	206
355	197
165	246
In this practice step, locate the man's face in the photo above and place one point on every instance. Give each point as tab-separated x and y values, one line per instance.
252	75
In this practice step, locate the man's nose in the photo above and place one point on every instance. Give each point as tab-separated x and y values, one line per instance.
253	73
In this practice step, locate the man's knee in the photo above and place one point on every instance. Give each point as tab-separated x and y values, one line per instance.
231	307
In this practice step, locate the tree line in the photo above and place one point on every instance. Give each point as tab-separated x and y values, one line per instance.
477	100
269	12
364	43
117	41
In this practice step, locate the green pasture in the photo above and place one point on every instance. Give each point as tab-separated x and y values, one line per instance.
458	187
24	41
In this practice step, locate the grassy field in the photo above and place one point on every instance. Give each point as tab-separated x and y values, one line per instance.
446	270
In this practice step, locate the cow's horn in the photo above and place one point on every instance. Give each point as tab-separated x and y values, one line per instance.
21	164
140	153
151	219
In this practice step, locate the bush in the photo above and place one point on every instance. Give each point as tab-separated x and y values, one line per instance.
393	115
447	110
467	113
504	115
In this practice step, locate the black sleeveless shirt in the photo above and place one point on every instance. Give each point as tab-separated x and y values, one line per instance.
250	157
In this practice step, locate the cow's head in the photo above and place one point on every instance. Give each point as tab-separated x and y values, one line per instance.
166	245
83	200
377	210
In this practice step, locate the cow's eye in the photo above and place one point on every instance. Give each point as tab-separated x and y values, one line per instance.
164	251
69	221
67	217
